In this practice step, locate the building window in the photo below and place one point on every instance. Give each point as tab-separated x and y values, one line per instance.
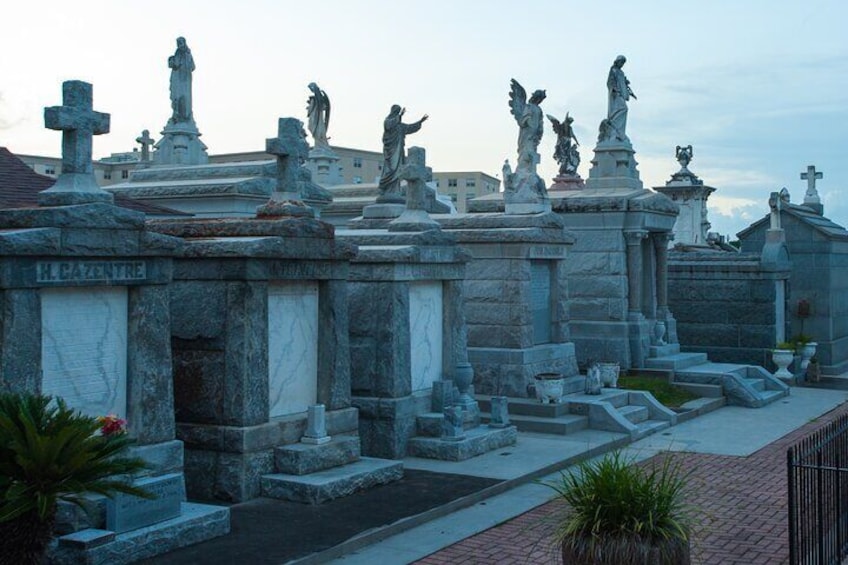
49	170
470	182
357	162
125	174
451	183
107	175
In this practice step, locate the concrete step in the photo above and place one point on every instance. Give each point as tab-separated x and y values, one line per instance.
635	414
617	397
475	442
756	384
330	484
430	423
305	458
649	427
770	396
677	361
526	407
663	350
559	425
702	390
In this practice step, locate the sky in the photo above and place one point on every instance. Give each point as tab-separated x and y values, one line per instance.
758	88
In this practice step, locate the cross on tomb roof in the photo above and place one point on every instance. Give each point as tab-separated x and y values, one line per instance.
810	176
146	141
291	149
78	123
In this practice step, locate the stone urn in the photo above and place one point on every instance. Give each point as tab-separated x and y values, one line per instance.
549	387
462	377
783	358
609	374
659	333
807	352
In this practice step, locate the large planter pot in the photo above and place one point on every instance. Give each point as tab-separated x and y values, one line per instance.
549	387
783	358
624	550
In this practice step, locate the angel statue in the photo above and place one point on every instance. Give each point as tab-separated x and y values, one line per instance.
528	115
565	152
619	93
683	155
318	113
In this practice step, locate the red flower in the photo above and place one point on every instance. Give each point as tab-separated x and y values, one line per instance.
111	424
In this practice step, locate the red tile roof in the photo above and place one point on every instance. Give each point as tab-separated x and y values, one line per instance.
20	185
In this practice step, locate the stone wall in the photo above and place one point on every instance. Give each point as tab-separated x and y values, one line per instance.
725	305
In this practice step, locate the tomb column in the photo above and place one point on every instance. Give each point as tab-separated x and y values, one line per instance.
661	240
634	269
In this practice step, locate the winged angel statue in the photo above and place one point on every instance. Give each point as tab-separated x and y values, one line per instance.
528	116
565	152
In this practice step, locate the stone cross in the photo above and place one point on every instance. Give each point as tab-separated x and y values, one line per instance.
78	123
811	197
146	141
292	150
415	173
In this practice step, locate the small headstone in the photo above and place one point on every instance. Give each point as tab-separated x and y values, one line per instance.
499	412
125	512
452	429
316	428
593	380
415	217
443	395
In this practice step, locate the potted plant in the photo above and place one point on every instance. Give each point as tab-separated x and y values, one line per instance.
806	347
48	453
782	356
549	387
623	514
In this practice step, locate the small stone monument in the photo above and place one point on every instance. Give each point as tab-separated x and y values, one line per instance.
322	156
690	193
524	189
452	427
499	412
78	123
146	141
415	216
291	150
811	197
593	379
316	429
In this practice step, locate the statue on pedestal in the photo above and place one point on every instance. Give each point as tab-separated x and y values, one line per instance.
619	93
318	112
524	190
394	138
565	152
181	64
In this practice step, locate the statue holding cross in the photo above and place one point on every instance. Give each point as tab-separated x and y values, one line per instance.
78	123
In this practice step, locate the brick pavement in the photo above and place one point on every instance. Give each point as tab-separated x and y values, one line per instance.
739	504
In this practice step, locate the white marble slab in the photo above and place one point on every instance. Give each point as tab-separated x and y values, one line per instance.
425	333
84	348
292	347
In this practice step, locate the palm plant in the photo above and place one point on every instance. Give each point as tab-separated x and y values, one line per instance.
49	452
623	514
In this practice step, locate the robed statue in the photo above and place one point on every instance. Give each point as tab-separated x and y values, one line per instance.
394	155
619	93
181	64
318	113
565	152
528	116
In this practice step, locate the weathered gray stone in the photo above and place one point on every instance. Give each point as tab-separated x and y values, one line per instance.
476	442
125	512
499	412
333	483
302	459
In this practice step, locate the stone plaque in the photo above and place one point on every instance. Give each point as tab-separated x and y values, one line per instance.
425	333
540	300
125	512
84	348
69	271
547	251
292	347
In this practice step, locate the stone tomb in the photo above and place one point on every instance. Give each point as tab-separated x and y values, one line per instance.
259	334
84	291
516	298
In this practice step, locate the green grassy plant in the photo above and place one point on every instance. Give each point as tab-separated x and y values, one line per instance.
665	393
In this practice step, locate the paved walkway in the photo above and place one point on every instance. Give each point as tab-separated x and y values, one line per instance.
740	504
737	460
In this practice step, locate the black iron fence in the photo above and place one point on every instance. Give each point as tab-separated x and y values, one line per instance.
817	469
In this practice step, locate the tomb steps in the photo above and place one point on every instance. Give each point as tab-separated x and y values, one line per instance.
316	473
742	385
476	440
635	413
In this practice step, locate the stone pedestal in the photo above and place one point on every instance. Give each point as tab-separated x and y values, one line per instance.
567	182
180	145
324	164
614	167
